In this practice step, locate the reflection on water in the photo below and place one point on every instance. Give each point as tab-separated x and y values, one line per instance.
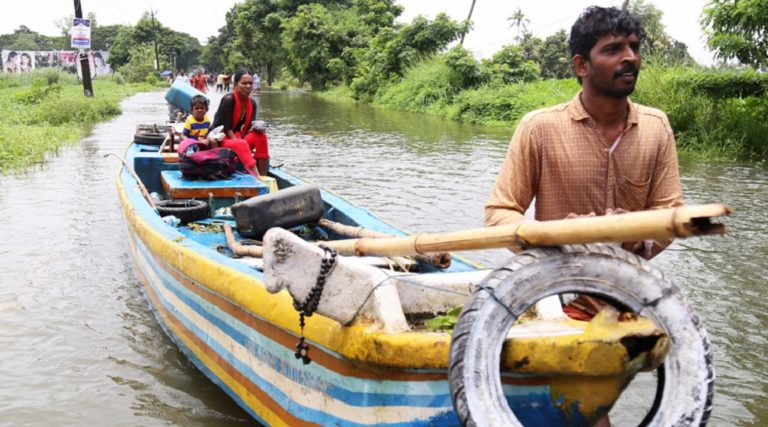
79	344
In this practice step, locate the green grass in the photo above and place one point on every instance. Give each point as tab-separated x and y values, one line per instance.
706	127
47	110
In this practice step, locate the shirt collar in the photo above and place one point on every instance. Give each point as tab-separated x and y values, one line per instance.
578	113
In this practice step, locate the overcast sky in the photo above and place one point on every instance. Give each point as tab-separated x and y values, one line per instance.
202	19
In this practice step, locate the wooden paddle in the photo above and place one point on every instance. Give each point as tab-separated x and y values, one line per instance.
661	224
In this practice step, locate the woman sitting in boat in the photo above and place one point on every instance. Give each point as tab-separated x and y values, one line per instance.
236	113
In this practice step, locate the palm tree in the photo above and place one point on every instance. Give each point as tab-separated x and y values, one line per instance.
471	8
518	20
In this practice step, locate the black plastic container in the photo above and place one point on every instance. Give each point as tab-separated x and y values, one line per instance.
285	208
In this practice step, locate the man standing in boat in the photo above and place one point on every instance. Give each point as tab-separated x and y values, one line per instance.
600	153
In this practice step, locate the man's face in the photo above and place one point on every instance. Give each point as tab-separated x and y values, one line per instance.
198	111
613	65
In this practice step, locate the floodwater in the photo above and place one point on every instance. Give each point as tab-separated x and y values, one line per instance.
80	346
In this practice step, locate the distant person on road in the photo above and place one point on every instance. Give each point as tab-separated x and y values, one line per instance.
181	77
198	81
236	113
220	83
256	82
227	80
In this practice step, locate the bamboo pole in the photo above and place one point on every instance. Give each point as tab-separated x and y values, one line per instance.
440	260
661	224
258	251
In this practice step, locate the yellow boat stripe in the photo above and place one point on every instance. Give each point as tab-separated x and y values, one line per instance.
309	397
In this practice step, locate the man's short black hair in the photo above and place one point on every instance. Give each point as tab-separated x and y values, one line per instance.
596	22
198	99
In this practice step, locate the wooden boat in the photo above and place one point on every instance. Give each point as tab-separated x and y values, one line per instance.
368	358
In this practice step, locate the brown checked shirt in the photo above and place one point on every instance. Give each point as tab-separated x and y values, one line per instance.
558	156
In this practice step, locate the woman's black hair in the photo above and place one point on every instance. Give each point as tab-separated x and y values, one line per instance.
239	73
596	22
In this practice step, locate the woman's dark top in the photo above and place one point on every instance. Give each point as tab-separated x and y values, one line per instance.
223	115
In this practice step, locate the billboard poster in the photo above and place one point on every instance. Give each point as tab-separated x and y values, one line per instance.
18	61
81	33
22	61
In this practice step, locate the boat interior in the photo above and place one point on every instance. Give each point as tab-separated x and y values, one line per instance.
420	293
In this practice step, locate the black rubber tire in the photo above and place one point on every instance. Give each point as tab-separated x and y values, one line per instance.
185	210
602	270
149	138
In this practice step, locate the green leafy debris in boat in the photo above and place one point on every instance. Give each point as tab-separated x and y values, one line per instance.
446	322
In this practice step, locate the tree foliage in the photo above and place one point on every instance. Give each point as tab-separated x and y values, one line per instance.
394	49
738	30
555	57
508	66
312	38
519	21
658	46
24	38
257	29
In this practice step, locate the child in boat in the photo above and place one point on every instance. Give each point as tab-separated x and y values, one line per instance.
198	124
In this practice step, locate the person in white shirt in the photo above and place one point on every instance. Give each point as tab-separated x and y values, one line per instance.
256	82
182	77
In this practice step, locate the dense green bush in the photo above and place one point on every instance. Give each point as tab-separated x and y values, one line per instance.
509	66
465	70
716	115
36	93
425	88
59	114
706	110
729	84
508	104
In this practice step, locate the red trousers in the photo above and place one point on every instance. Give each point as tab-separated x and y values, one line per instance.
243	146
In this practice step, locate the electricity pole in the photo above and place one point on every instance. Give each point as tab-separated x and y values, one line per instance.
84	65
471	8
154	40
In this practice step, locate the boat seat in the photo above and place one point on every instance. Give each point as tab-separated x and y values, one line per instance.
178	187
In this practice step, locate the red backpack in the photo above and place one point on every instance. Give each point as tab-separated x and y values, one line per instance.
196	161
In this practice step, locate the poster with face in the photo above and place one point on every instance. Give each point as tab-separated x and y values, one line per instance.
26	61
100	58
18	61
10	61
